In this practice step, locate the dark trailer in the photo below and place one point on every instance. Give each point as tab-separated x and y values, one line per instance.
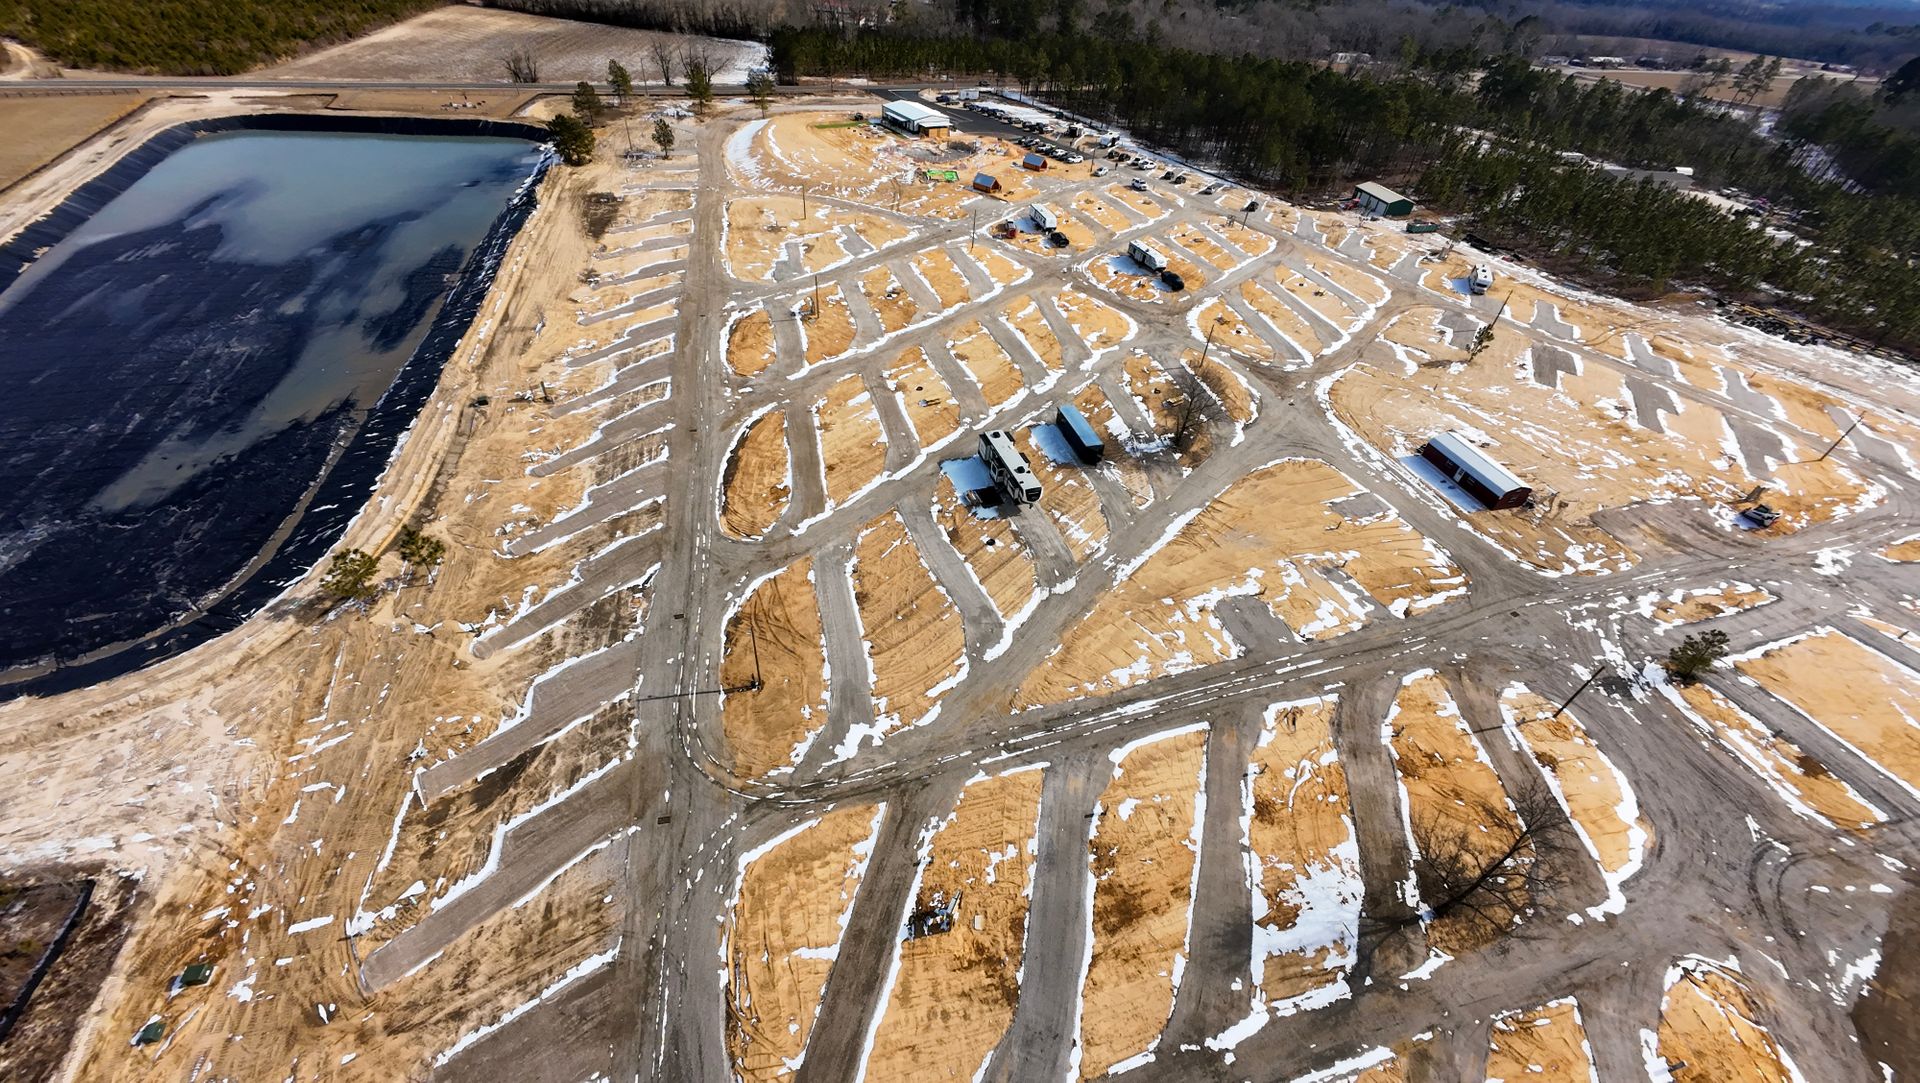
1080	435
1468	467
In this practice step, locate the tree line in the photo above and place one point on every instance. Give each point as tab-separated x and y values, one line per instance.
1491	150
192	37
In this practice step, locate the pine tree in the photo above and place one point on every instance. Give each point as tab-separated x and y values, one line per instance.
621	80
586	102
572	139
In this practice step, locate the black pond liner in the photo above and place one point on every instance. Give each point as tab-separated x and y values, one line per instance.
350	477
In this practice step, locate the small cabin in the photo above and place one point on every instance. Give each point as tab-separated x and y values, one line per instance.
1035	162
985	182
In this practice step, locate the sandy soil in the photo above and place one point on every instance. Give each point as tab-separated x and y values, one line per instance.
1575	444
1230	331
761	228
1118	273
1093	405
999	267
750	343
1103	212
1284	318
1451	795
758	479
1688	606
1025	317
776	636
865	164
1801	780
891	303
1143	850
42	128
1097	324
1066	496
826	322
499	104
1251	241
287	746
464	44
982	356
924	397
1710	1029
782	931
915	644
1154	390
1596	795
1855	693
1328	304
1905	551
1139	201
1304	856
1345	275
1162	619
936	266
954	992
1189	237
1547	1044
853	446
991	549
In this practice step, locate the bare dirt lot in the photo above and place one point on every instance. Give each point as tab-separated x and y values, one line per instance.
42	128
745	731
466	44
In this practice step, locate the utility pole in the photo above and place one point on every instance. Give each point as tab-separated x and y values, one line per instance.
803	203
973	226
1217	321
1583	687
815	313
1842	436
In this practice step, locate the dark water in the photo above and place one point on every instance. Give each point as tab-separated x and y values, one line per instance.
183	371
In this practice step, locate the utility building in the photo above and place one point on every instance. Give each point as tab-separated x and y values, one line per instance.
1034	162
1379	199
915	118
1468	467
985	182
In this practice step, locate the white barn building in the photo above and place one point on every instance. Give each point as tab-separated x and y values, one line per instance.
915	118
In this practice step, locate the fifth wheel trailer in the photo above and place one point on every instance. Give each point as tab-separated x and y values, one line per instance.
1008	467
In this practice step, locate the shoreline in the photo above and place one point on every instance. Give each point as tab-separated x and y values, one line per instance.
351	479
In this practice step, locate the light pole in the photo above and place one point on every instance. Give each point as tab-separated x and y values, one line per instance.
1842	436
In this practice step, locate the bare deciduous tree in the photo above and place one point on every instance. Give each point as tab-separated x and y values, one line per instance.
1193	406
521	65
664	58
1484	884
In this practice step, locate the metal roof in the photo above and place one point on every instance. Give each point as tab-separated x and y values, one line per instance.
1381	192
915	113
1471	459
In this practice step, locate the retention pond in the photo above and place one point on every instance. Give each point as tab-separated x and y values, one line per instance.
211	365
